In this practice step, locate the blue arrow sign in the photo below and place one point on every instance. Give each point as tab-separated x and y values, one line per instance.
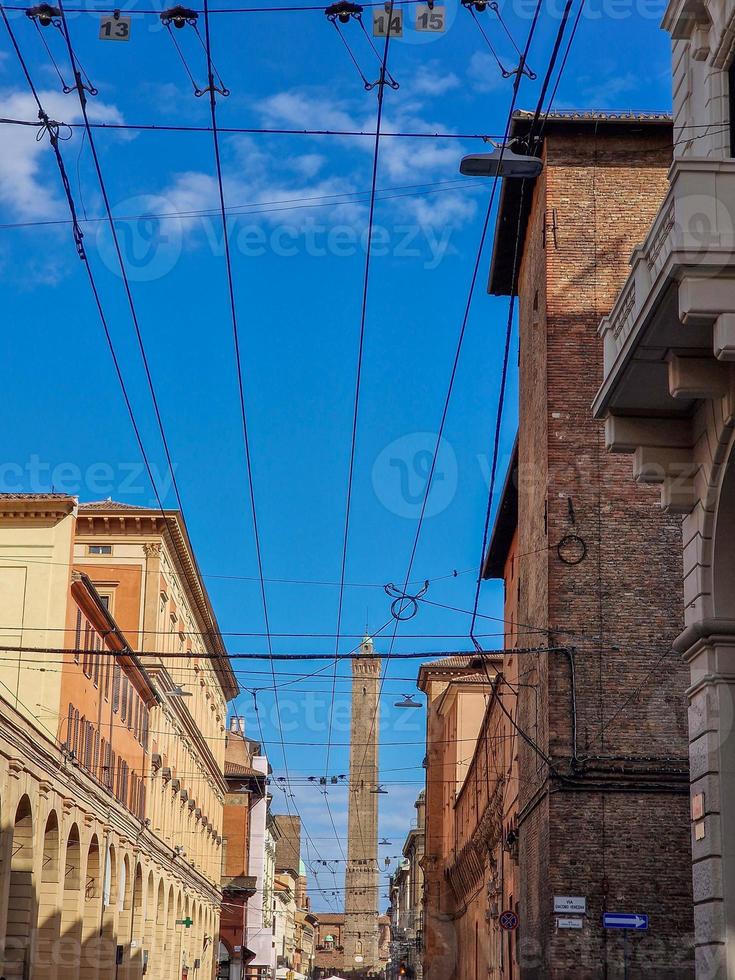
624	920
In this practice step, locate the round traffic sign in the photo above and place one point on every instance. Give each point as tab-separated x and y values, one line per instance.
508	920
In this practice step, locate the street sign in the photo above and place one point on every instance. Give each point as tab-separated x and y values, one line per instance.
508	920
570	903
625	920
115	28
431	18
569	923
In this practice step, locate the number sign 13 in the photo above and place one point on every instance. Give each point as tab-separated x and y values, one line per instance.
115	29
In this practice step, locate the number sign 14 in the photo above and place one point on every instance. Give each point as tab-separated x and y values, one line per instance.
380	23
115	29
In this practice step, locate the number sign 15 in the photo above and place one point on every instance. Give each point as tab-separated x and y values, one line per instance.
431	18
115	29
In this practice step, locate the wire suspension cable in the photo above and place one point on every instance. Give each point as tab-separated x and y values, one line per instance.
460	341
358	371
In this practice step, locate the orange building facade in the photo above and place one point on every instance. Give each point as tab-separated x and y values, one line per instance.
111	745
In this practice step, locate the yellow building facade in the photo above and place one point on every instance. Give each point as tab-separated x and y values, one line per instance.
90	886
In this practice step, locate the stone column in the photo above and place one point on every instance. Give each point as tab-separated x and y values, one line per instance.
709	648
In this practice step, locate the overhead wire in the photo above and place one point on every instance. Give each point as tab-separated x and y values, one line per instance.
78	239
509	326
519	74
241	398
360	351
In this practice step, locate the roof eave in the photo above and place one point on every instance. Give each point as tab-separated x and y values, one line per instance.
506	522
516	195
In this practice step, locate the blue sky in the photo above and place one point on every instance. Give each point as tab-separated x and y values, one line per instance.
298	272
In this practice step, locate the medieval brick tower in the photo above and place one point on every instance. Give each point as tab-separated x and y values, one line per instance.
362	873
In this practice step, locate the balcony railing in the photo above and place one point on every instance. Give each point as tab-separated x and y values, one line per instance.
693	235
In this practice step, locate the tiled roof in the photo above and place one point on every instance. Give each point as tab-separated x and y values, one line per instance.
235	769
110	504
36	496
599	115
456	661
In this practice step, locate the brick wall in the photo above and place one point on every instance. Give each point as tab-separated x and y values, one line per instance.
615	828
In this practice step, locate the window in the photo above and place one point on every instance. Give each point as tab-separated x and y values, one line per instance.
124	704
89	746
144	738
69	723
99	549
130	705
106	678
106	600
116	687
75	740
78	636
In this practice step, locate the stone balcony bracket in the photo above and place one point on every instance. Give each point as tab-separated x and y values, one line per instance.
662	454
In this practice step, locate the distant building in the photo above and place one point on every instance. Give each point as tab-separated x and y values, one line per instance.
474	853
362	872
330	945
457	695
407	901
246	775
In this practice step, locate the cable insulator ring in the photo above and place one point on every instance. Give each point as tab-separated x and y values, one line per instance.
404	605
572	550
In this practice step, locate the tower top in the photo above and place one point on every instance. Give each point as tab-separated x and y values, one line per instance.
367	646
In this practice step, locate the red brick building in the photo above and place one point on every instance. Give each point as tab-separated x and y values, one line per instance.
245	786
603	776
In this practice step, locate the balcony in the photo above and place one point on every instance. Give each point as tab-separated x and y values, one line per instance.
692	238
671	333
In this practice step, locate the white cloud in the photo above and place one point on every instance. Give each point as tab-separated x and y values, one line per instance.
402	161
299	109
29	181
484	75
433	79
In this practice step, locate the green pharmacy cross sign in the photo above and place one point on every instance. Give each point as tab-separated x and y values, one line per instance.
187	922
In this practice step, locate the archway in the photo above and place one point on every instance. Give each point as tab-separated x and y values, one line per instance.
49	914
169	968
136	932
178	938
91	967
157	956
71	909
723	566
109	907
149	925
125	916
21	899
